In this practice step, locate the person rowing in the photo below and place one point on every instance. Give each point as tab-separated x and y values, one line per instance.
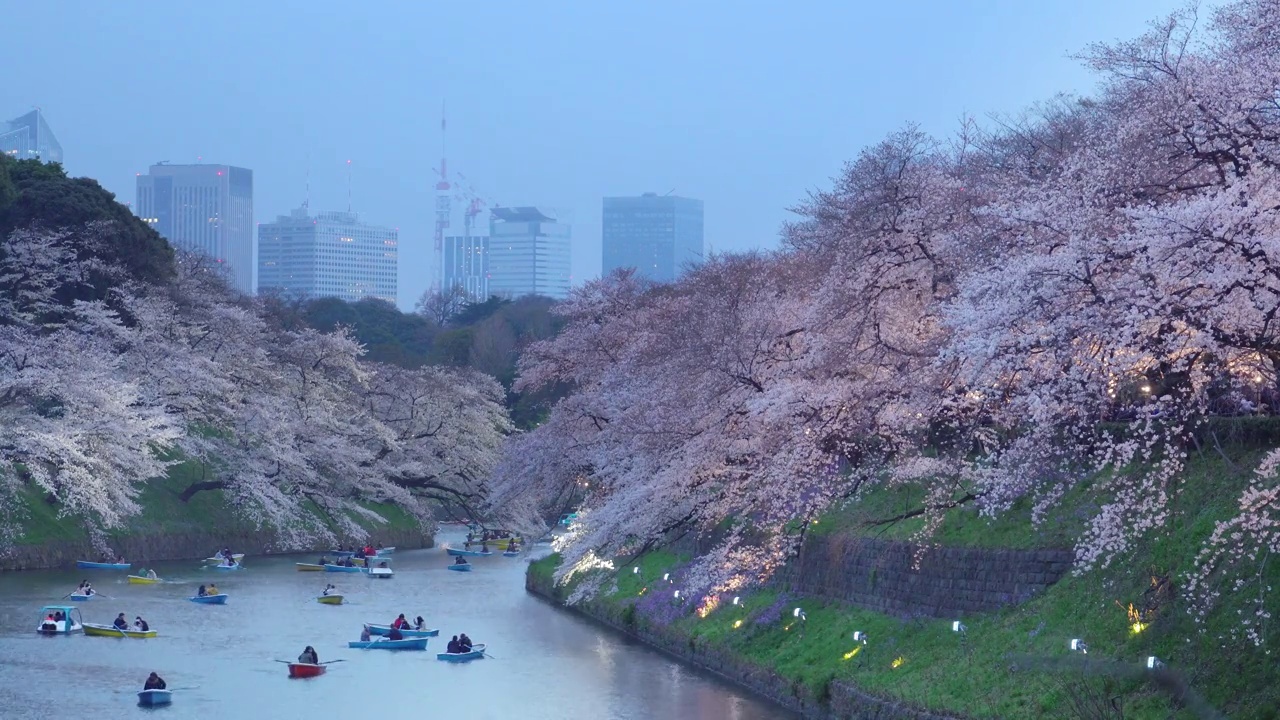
151	574
309	656
395	634
327	588
213	589
464	643
155	682
459	560
120	623
453	646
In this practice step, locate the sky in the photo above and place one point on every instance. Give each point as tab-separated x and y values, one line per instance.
746	105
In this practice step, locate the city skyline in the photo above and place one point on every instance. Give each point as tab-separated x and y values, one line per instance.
749	132
329	254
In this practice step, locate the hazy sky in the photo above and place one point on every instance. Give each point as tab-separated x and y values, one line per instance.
746	105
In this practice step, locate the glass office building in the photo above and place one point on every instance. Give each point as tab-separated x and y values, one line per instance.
659	236
331	254
529	252
29	138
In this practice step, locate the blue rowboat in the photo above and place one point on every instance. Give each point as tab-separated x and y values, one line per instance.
237	566
343	568
465	567
86	565
477	652
81	598
385	644
511	553
468	553
219	599
387	550
154	698
385	630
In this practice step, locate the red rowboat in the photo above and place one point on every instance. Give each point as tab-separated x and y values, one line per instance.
305	670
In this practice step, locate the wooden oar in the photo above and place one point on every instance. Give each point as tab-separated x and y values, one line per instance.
329	662
185	687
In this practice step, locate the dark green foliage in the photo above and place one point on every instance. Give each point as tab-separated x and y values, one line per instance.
40	195
388	335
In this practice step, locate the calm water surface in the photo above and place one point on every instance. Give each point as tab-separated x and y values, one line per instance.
549	664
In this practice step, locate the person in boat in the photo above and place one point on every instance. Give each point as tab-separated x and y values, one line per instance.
467	545
400	623
364	634
382	564
395	634
201	592
360	554
380	547
484	547
141	625
324	560
213	590
327	588
120	623
226	553
459	560
464	643
419	624
309	656
453	646
155	682
151	574
50	623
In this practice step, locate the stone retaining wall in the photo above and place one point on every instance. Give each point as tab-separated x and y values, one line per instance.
909	581
144	548
843	701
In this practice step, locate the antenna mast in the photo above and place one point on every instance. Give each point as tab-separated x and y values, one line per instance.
444	208
348	186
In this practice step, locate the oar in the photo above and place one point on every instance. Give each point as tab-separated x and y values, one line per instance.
329	662
185	687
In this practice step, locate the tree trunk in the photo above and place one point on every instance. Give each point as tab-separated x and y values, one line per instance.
194	488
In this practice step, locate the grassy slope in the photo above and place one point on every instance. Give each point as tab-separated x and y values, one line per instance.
163	512
978	674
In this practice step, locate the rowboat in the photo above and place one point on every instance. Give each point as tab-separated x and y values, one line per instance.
329	599
384	630
219	599
464	567
309	567
468	553
305	670
343	568
237	566
216	559
154	698
341	553
110	631
86	565
72	624
80	597
384	573
140	580
511	553
387	550
477	652
385	644
501	544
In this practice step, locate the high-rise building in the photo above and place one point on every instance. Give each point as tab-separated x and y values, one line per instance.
529	252
332	254
29	138
204	208
466	265
657	235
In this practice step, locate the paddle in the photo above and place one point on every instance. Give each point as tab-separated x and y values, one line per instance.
330	662
185	687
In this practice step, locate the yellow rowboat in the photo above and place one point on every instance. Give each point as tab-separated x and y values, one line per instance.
110	631
499	544
140	580
309	567
329	599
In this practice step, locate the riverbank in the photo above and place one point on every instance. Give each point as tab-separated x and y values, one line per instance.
1016	598
169	528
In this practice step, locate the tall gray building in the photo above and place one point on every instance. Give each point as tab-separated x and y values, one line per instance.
332	254
29	138
466	265
657	235
529	252
204	208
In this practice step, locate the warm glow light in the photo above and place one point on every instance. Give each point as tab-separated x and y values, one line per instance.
737	624
709	604
897	662
1137	627
852	652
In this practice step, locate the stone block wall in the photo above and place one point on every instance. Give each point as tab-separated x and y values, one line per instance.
908	580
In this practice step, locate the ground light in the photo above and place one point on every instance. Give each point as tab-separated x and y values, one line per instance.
1154	662
635	570
958	626
859	637
798	613
1077	645
736	599
666	576
677	593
